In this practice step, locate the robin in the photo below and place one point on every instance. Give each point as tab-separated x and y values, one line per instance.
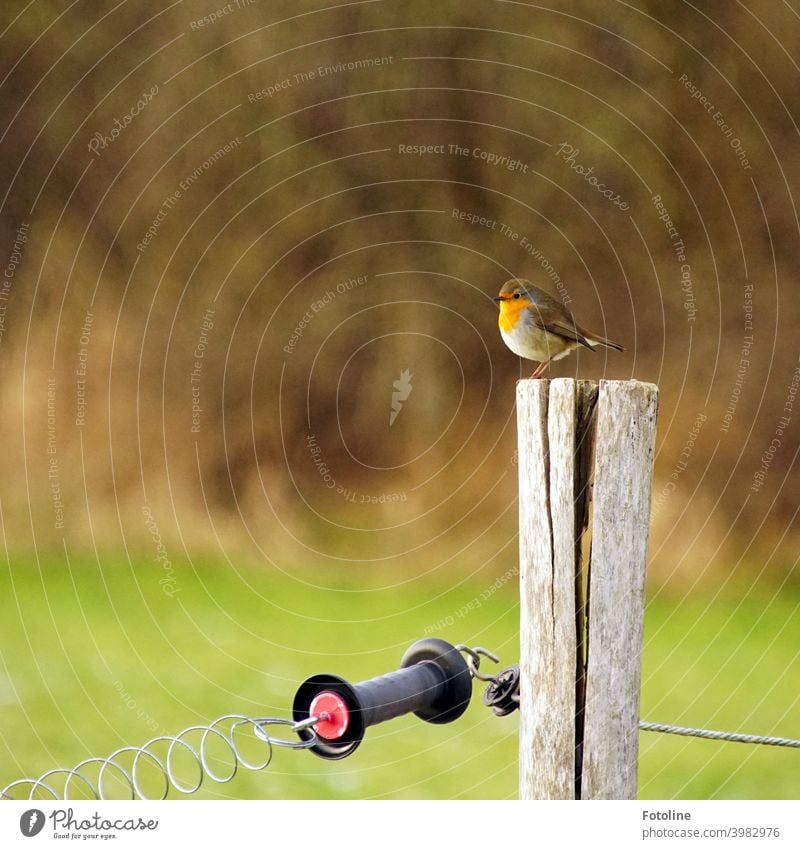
536	326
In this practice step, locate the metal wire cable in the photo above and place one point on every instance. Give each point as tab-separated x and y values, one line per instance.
92	775
729	736
492	698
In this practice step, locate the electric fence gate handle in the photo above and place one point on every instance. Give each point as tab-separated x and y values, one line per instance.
330	716
434	682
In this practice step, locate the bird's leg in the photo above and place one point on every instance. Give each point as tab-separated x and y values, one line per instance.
540	369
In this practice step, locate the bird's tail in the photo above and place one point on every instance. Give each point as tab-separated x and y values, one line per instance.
599	340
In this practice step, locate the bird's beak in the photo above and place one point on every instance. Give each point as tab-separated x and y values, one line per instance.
498	298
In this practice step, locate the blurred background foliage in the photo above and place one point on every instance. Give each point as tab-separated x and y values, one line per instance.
294	178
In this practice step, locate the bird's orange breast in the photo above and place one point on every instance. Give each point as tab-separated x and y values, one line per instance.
511	311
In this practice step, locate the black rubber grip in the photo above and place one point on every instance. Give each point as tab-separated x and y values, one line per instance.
417	688
434	682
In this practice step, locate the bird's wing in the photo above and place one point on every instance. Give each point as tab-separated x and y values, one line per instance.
569	330
554	317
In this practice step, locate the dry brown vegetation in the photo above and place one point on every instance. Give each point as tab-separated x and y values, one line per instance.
313	192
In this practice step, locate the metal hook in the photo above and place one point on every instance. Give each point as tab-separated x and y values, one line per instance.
474	661
261	732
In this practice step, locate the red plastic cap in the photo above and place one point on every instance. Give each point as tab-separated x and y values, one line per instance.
334	712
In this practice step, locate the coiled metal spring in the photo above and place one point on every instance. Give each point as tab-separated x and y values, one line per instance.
93	778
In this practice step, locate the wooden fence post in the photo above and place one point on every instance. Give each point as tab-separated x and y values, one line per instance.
580	682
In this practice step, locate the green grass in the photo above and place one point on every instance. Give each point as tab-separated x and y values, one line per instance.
730	664
94	658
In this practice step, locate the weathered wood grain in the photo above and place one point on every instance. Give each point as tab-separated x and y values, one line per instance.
549	413
579	694
625	442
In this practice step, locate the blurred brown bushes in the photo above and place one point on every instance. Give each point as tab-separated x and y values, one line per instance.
314	192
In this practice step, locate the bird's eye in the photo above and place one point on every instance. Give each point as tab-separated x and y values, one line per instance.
517	295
